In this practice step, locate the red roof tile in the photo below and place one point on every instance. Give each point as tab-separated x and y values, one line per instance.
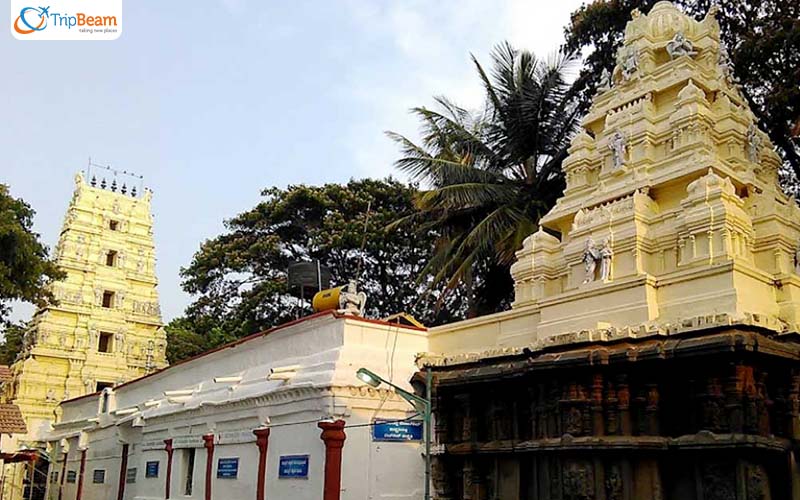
5	373
11	421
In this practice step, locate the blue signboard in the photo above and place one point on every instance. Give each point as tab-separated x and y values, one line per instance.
407	430
227	468
293	467
151	469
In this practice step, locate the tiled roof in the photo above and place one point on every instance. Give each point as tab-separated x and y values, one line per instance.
11	421
5	373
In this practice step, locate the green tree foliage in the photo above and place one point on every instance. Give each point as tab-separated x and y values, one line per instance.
763	39
239	278
25	269
11	344
491	175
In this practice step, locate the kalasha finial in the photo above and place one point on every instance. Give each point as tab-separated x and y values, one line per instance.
114	185
103	183
133	192
124	188
93	183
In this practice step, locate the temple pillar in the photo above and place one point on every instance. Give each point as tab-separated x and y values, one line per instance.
170	450
79	493
123	467
208	444
333	436
262	441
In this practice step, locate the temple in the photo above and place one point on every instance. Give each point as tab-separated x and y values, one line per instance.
652	349
106	328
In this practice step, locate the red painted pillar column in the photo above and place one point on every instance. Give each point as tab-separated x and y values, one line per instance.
333	435
208	443
123	468
63	474
170	450
80	476
262	441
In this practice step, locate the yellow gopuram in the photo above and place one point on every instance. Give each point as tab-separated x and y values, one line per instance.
106	328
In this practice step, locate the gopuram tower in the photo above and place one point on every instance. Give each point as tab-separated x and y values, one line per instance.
652	351
106	328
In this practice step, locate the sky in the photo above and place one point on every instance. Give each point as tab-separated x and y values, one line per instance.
214	100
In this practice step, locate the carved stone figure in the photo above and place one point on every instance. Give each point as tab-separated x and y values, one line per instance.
753	143
628	61
51	396
725	64
605	80
590	258
797	259
606	255
618	146
680	46
594	254
351	300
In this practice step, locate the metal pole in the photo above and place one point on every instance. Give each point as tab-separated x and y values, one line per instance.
427	423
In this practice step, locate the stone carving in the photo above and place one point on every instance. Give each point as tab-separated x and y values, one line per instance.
619	148
613	483
119	342
718	482
797	259
725	64
605	80
594	254
753	143
578	481
351	301
757	483
51	396
628	61
680	46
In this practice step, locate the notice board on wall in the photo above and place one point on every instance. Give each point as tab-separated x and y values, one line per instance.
151	469
293	467
228	468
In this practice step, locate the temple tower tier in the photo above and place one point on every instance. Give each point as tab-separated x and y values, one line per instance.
106	328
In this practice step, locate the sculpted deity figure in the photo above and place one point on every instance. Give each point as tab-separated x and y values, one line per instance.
628	61
618	148
680	46
351	300
753	143
606	255
797	259
605	80
590	258
594	254
725	64
51	396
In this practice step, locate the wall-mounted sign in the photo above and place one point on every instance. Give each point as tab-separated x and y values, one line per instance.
151	469
72	476
407	430
228	468
236	437
99	476
130	475
187	442
293	467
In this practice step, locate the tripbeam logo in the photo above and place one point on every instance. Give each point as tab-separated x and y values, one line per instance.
67	20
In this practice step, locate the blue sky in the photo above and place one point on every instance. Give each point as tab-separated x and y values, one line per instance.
214	100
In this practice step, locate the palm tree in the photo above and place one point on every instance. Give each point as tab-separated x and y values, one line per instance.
489	176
